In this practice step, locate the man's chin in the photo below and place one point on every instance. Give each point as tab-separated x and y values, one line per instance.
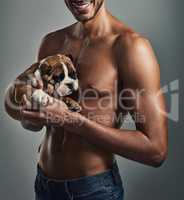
83	18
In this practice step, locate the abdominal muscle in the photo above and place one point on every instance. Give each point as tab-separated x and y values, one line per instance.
65	155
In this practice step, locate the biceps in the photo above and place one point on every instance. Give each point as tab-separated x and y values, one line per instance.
147	110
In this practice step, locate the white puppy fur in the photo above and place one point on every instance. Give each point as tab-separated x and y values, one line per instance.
42	98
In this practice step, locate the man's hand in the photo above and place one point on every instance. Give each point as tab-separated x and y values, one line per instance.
55	114
27	124
25	103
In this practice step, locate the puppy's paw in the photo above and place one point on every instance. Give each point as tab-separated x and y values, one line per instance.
41	97
72	104
35	79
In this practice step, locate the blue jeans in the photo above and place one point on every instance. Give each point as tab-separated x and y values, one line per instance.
103	186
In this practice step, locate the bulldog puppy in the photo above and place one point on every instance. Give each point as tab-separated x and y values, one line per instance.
52	77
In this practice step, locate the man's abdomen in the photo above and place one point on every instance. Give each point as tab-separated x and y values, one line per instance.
66	155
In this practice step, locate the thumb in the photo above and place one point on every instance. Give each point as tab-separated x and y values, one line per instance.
25	102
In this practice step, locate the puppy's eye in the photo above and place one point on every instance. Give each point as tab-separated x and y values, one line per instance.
48	70
73	75
45	69
59	78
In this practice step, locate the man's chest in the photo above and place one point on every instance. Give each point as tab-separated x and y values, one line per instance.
95	63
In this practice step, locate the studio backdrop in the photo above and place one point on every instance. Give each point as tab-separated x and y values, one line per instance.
23	25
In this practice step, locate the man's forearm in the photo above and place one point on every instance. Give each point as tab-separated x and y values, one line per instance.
133	145
12	109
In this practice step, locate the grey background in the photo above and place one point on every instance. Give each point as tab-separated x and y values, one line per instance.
23	24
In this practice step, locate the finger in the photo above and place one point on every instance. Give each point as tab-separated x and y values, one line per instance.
57	103
23	102
26	102
33	116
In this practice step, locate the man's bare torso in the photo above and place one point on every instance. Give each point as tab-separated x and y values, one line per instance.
118	73
67	155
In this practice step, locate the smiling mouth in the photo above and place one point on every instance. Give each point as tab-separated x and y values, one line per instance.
80	6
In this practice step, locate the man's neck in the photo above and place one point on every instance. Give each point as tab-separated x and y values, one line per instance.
96	27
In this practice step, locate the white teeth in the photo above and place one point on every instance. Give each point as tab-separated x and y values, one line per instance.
84	6
81	6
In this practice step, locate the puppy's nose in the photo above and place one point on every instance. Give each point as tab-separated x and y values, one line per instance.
70	85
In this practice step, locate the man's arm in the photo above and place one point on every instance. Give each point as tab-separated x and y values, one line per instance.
139	74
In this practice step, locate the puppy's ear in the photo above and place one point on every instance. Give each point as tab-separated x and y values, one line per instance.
30	70
70	56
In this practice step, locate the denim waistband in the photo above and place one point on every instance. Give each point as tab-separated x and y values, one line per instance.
76	186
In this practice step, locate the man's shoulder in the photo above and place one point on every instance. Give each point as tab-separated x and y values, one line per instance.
52	41
58	34
129	44
135	56
128	39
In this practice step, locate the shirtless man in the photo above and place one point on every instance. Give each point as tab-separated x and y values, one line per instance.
118	74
